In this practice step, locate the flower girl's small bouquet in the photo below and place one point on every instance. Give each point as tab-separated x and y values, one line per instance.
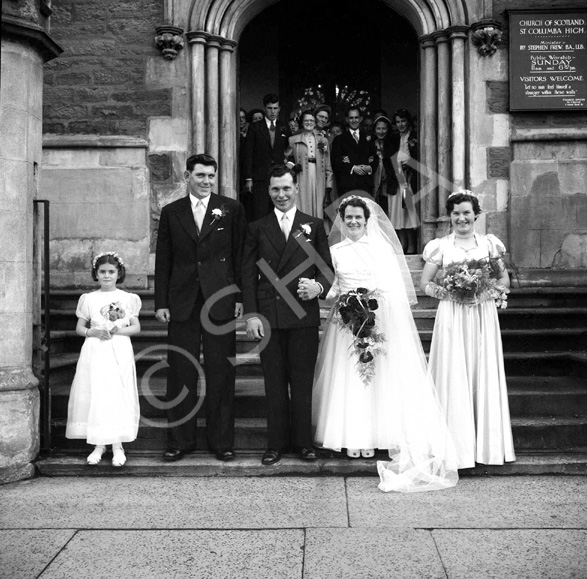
472	281
356	313
114	316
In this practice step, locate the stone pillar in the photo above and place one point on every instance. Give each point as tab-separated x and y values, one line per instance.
212	96
228	128
444	120
429	157
25	46
197	41
458	36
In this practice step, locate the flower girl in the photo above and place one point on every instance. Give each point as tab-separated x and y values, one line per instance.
103	405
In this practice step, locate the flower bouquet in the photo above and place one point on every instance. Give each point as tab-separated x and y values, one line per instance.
470	282
114	316
356	313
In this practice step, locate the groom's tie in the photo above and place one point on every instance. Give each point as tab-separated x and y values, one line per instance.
199	215
272	133
285	226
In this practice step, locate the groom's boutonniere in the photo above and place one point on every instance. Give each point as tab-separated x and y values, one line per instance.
218	213
305	230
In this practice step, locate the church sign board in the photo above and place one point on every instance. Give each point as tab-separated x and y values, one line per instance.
548	60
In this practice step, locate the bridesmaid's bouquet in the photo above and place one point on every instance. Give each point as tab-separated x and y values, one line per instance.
473	281
356	313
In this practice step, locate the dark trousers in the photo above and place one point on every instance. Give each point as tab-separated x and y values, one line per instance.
262	203
182	383
289	360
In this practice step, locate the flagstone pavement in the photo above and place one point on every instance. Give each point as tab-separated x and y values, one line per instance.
292	527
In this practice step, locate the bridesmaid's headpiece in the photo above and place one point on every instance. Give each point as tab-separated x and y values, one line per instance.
104	254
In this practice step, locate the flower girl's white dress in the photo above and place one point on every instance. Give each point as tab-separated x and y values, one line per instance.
398	410
103	404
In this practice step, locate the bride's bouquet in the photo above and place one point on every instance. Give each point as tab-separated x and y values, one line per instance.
472	281
356	312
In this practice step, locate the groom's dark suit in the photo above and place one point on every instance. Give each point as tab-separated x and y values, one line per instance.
290	354
192	270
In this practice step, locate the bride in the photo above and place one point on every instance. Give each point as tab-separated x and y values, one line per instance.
372	389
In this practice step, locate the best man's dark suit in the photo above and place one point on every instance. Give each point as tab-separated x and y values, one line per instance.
290	354
260	156
361	153
192	269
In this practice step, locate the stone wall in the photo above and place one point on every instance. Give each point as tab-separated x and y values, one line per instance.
99	85
548	171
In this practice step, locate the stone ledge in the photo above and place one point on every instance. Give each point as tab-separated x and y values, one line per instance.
93	142
21	30
544	134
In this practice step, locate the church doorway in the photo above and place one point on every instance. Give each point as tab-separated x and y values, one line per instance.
335	52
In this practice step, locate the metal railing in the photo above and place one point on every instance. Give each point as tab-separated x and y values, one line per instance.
44	340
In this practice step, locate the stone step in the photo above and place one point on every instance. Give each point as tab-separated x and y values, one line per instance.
513	339
534	433
520	297
528	396
520	363
203	464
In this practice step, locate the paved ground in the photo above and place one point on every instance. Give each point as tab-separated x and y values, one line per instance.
294	527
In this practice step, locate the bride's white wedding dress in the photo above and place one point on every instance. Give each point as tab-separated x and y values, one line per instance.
398	410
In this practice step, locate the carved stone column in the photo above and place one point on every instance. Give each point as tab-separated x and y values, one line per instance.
429	157
458	36
198	41
25	47
212	96
444	120
228	128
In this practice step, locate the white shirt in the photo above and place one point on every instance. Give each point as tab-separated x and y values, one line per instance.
290	215
268	123
194	201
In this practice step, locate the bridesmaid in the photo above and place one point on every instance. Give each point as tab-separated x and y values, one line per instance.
466	357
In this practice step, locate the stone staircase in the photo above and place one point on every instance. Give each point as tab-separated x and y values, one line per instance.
544	333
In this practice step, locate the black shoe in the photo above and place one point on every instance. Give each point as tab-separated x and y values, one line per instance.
225	455
308	454
173	454
271	456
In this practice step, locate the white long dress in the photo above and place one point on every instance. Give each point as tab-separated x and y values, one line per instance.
466	361
398	409
103	404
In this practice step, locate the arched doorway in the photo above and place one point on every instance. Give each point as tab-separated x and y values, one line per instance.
327	51
216	28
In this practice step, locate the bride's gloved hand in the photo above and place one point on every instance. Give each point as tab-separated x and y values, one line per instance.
436	291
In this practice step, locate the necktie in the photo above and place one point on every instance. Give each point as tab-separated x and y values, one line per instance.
272	132
356	136
199	215
285	226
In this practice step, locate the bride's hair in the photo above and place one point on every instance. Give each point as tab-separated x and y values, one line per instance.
354	201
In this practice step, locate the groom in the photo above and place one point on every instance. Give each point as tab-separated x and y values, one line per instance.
286	267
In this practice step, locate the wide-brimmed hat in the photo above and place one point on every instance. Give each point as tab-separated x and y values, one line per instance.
326	108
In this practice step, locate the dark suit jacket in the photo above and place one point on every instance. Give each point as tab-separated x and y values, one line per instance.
259	155
361	153
265	241
187	262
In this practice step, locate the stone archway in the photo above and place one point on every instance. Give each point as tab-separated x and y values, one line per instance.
442	28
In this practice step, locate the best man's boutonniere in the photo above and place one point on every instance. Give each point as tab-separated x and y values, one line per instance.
368	138
218	213
305	230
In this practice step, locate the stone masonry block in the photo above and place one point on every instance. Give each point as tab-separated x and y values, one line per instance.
123	157
573	252
72	78
497	223
16	352
64	111
498	162
92	94
137	128
91	11
126	8
117	75
497	96
157	109
160	167
53	128
525	172
529	120
94	127
573	176
54	96
112	111
168	134
14	123
572	120
12	282
140	96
